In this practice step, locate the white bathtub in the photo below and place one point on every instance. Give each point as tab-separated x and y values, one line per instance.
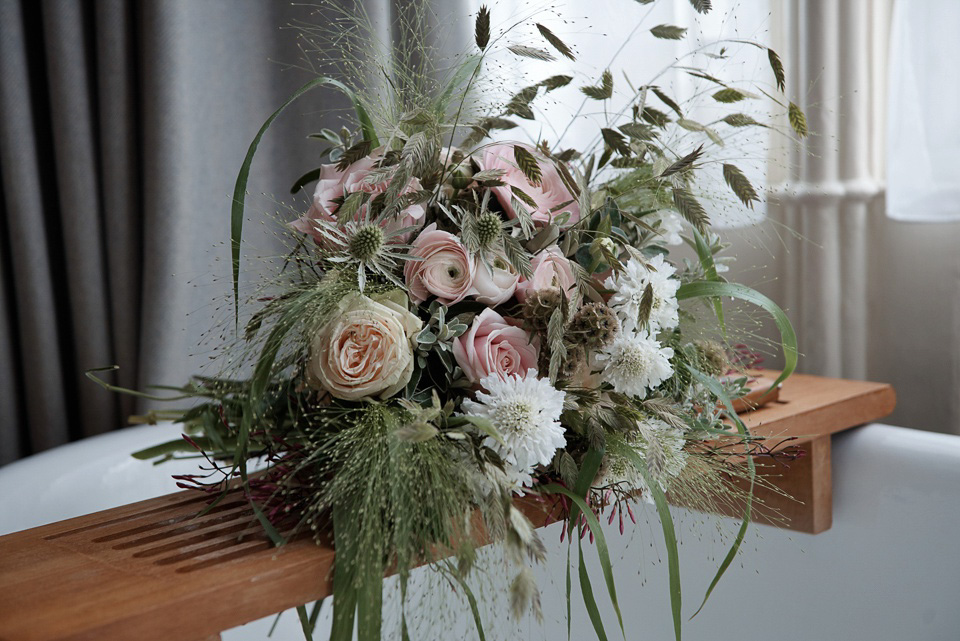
888	570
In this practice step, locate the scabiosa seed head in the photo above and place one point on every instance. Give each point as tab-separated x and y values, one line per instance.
594	325
573	363
488	228
539	306
366	243
711	357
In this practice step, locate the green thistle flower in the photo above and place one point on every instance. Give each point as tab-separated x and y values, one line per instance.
488	229
366	243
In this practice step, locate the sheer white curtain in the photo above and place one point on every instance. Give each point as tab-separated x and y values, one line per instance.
871	297
923	175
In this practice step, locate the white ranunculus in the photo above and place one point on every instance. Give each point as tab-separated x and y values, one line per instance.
496	283
365	350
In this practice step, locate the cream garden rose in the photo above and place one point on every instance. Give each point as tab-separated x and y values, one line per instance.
365	350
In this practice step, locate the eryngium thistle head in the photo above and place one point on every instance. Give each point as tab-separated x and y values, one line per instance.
366	243
594	325
539	306
488	229
711	357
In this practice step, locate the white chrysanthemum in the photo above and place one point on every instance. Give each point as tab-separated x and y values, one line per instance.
526	411
634	363
628	287
661	448
671	224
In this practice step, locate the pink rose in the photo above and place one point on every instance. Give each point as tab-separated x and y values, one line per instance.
445	269
493	346
549	195
550	269
334	184
494	284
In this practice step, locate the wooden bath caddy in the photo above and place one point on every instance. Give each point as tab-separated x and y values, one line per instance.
152	571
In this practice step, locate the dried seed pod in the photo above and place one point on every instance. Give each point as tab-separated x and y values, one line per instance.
539	306
711	357
594	325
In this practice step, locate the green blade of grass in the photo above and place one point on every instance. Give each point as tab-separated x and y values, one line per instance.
712	385
240	189
592	461
603	552
591	603
669	533
452	572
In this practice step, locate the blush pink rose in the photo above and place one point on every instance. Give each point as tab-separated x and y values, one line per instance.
549	195
550	269
492	346
445	269
334	184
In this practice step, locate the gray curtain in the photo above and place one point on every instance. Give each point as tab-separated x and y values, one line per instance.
122	127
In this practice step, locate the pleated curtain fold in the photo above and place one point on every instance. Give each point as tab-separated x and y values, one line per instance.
122	128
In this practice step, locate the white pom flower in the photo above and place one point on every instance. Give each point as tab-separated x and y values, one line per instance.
628	288
661	448
635	363
526	411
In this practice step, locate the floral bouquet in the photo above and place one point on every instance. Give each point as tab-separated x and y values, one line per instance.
464	319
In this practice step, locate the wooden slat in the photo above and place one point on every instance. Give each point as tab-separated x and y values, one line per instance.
153	570
811	406
798	494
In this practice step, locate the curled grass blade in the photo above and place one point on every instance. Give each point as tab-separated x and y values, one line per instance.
788	338
240	189
588	600
452	572
669	533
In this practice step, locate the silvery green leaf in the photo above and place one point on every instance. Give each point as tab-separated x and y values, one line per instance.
416	432
426	337
531	52
690	125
